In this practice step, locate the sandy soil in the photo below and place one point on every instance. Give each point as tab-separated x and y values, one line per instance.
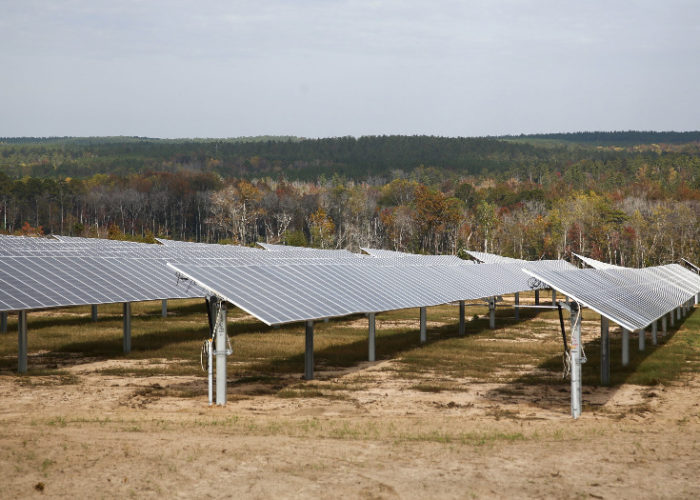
371	436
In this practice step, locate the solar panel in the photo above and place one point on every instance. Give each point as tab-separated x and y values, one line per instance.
308	252
671	273
299	290
427	260
595	264
492	258
57	281
633	298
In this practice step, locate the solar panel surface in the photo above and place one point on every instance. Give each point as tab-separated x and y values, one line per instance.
306	289
633	298
492	258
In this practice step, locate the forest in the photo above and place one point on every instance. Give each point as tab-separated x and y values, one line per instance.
631	198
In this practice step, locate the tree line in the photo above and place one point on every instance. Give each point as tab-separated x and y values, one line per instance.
643	212
374	159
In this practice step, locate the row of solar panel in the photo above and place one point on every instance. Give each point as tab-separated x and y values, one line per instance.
305	290
632	298
284	284
88	271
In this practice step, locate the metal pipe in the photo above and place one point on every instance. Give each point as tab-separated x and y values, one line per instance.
126	343
210	369
3	322
576	389
604	351
517	306
554	297
664	326
625	347
22	342
309	352
164	309
423	326
654	331
94	312
492	313
642	334
372	337
461	318
672	319
220	323
537	297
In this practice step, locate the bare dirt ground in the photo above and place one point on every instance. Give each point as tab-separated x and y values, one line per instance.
88	435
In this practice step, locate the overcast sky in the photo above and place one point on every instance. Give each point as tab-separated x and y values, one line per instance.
329	68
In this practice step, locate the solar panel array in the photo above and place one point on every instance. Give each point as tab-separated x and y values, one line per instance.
671	273
492	258
282	284
305	252
41	273
306	289
633	298
427	260
57	281
595	264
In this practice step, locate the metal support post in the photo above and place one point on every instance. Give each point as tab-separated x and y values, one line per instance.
210	369
625	347
517	306
642	333
372	337
461	318
3	322
127	328
94	312
22	342
672	318
423	326
604	351
654	331
492	313
309	353
664	327
537	297
554	297
678	313
164	309
221	351
576	389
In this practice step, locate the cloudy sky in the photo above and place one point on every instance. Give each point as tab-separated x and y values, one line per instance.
318	68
